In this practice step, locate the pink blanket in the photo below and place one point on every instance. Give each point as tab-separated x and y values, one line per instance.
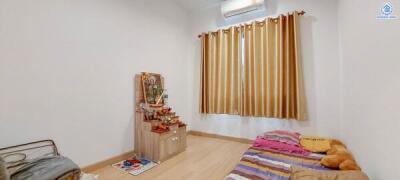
279	146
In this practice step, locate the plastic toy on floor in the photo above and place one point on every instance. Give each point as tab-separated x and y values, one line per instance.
135	166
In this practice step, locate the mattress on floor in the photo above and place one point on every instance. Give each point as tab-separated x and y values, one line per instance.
272	165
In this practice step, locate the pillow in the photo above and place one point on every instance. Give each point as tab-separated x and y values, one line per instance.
315	144
280	147
4	175
287	137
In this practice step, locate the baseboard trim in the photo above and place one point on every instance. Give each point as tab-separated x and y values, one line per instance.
107	162
229	138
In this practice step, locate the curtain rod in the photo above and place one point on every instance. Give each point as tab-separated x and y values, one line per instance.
300	13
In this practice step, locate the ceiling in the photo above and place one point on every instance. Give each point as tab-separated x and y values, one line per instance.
198	4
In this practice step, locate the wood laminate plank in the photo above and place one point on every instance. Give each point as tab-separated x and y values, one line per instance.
229	138
204	158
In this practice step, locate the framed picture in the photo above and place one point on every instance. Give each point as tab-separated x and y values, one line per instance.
152	88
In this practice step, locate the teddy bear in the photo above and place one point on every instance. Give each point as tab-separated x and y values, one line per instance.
338	157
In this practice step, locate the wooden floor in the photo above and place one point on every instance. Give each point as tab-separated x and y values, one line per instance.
204	158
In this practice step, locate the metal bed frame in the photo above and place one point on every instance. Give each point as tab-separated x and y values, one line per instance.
19	155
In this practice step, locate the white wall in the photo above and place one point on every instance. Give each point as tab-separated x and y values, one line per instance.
67	68
371	86
319	36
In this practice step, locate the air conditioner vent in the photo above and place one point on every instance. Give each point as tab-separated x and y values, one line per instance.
231	8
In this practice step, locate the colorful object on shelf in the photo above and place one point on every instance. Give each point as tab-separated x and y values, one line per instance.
164	115
135	166
181	124
156	105
165	97
152	88
160	128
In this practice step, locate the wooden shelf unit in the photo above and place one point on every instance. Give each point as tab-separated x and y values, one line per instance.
152	145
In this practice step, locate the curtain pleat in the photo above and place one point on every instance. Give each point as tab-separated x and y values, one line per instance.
273	78
221	74
266	81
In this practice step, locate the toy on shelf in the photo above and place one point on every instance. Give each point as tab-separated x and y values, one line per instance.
160	128
164	115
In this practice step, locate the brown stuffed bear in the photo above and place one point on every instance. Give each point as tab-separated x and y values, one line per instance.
338	157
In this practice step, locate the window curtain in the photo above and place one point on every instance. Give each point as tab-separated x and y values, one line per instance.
221	72
273	77
266	81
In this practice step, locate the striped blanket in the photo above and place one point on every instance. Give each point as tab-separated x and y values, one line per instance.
272	165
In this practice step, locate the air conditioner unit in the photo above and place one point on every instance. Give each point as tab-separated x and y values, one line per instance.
231	8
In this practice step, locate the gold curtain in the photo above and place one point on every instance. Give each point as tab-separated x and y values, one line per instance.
273	81
267	83
221	72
